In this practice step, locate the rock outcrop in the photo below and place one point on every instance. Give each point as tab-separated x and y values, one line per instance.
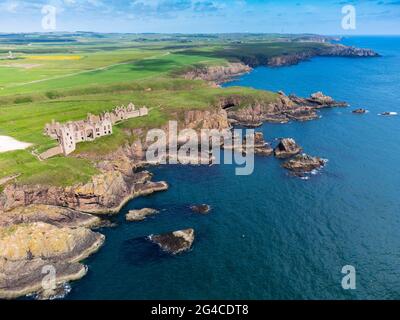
202	209
287	148
175	242
217	73
284	109
140	215
216	118
57	216
328	50
359	111
29	250
304	163
261	147
105	193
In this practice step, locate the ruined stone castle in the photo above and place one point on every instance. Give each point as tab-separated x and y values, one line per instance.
73	132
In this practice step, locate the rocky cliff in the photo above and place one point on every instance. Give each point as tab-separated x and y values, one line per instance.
45	225
38	239
217	73
105	193
331	50
284	109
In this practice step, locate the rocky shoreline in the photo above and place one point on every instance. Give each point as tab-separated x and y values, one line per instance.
225	73
287	108
43	226
38	239
47	225
331	50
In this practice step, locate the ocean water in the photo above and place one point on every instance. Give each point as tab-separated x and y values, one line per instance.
272	236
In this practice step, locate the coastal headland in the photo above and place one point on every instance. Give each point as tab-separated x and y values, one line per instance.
48	209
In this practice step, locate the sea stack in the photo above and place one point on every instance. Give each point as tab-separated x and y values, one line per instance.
304	164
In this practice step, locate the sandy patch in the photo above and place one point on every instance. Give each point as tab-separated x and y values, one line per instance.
10	144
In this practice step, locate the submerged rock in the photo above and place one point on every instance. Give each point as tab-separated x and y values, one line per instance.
304	163
389	114
287	148
140	215
175	242
203	208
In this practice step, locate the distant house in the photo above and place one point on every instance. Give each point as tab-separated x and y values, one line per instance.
74	132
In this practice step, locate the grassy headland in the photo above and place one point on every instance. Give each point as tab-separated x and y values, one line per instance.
66	76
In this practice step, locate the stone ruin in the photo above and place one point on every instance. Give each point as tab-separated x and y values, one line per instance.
71	133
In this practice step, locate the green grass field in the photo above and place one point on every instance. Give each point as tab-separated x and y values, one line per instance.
64	81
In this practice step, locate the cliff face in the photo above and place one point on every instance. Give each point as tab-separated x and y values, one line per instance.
28	250
206	119
44	225
105	193
57	216
217	73
285	108
331	50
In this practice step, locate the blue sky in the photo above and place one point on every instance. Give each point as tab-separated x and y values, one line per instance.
207	16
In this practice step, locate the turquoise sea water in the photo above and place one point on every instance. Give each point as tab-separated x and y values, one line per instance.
272	236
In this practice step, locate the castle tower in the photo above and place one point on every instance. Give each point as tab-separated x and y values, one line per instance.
67	140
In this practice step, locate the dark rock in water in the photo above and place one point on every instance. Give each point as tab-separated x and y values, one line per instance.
360	111
140	215
302	114
261	147
287	148
304	163
203	208
175	242
389	114
317	101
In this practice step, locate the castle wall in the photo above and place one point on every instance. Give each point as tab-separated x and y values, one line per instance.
92	128
51	153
